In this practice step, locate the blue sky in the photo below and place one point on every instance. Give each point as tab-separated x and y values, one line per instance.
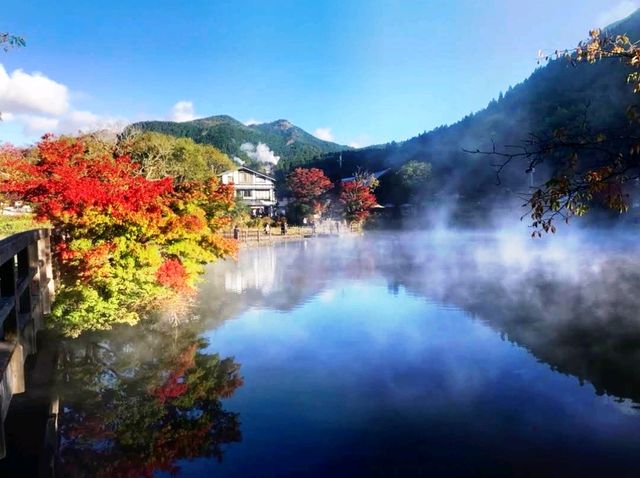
355	71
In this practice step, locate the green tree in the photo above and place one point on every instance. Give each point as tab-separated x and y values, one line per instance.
414	177
183	159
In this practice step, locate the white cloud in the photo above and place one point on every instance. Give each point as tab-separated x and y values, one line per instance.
324	134
182	111
41	105
617	12
36	125
251	121
73	122
33	93
260	153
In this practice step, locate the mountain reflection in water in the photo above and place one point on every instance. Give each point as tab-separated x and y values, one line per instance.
575	306
388	355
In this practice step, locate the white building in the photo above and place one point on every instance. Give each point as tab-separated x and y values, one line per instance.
257	190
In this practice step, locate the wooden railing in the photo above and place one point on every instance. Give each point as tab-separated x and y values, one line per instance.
26	295
275	234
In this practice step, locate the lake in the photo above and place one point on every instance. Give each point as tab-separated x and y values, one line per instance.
406	354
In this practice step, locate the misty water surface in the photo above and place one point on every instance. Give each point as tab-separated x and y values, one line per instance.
385	355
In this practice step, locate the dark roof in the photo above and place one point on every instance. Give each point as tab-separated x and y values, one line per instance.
244	168
376	175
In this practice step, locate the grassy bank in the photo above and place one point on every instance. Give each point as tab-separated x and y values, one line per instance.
13	224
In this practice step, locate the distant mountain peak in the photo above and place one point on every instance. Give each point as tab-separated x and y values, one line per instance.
282	124
284	139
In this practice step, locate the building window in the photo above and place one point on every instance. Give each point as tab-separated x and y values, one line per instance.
244	177
246	193
263	194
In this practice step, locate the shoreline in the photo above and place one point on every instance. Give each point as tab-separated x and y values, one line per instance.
257	237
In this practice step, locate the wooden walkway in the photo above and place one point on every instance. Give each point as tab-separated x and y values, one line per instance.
252	236
26	295
258	236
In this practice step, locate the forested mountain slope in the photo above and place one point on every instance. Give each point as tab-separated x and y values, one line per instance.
558	94
292	145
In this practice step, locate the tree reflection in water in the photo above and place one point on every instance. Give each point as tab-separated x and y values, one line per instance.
134	402
571	300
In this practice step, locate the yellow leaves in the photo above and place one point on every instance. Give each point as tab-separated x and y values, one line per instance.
601	45
622	39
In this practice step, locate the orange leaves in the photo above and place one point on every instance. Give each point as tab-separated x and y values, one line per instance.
221	245
172	274
307	184
175	386
65	182
94	260
122	240
358	199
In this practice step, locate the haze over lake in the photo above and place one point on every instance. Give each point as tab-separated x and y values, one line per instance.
415	354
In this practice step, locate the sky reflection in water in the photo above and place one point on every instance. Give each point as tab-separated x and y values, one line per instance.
412	355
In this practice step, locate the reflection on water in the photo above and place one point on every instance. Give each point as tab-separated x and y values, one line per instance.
575	306
388	355
258	271
136	403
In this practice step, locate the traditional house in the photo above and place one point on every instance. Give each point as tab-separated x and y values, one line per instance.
257	190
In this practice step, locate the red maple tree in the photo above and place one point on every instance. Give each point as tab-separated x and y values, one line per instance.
357	199
122	241
308	185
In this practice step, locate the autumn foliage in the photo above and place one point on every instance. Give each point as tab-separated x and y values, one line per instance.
131	413
172	274
123	243
308	186
357	199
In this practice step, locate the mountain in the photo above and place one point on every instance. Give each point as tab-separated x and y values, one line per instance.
293	145
555	95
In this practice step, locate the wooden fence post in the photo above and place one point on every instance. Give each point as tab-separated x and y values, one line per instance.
45	268
26	293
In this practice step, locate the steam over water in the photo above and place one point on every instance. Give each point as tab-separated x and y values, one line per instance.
419	355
